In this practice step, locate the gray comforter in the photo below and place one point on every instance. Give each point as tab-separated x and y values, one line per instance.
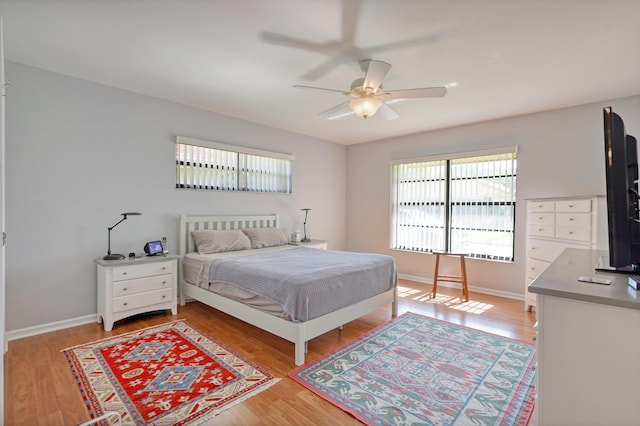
308	282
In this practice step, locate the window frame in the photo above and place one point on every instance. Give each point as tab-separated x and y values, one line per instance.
243	178
447	204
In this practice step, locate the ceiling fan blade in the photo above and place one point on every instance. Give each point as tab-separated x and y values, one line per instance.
283	40
403	44
299	86
376	71
338	111
387	112
425	92
322	69
350	12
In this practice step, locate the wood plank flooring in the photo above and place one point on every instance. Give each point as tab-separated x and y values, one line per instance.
40	389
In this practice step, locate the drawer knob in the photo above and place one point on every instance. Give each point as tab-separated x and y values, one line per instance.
164	282
534	338
125	304
570	219
164	296
124	289
164	268
124	273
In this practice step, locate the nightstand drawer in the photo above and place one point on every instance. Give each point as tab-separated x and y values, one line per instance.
139	300
129	272
140	285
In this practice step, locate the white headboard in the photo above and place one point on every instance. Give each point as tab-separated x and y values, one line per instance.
191	223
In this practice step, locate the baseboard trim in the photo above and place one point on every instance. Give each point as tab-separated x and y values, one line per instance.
52	326
483	290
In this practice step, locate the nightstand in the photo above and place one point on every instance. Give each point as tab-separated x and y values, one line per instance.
319	244
134	286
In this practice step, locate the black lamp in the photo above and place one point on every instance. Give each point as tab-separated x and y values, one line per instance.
306	213
110	256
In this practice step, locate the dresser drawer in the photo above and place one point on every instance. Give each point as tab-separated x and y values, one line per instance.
578	206
574	220
535	267
140	285
575	234
542	230
541	206
139	300
544	250
539	218
129	272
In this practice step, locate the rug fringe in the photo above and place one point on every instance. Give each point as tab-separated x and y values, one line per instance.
217	411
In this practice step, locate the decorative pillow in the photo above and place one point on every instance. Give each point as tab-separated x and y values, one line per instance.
214	241
266	237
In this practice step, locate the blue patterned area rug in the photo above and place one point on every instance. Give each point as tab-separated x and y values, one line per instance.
417	370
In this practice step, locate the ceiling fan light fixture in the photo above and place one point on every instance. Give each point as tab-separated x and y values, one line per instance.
365	106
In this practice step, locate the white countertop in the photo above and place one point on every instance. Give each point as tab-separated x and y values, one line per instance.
560	279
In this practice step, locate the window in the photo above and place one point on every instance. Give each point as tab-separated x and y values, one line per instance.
220	167
460	203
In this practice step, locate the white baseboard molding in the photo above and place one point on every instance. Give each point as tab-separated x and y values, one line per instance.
52	326
505	294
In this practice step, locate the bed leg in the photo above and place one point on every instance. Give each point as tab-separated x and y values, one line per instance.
300	351
394	304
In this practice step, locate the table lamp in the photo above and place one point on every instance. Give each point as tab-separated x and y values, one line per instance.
306	213
116	256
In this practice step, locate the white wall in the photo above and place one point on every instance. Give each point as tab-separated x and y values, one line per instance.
79	154
560	153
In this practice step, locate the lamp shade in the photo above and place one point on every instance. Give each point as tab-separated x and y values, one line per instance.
365	106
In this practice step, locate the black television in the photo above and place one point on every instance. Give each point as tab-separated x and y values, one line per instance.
621	167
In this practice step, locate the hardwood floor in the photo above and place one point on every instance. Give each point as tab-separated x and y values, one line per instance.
40	389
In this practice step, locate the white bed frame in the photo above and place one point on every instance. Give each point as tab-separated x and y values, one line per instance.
297	332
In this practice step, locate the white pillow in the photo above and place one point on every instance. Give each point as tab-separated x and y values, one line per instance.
215	241
266	237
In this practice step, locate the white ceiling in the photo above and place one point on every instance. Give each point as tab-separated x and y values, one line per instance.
504	57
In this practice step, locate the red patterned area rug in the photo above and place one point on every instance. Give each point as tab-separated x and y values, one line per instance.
168	374
419	370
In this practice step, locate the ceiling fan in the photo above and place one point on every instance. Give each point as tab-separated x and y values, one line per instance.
369	96
344	50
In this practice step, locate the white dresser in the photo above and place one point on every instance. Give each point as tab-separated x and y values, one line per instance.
554	224
134	286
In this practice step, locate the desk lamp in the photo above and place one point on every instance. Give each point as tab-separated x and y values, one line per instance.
306	213
115	256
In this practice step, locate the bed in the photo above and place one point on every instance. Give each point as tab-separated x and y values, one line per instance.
291	323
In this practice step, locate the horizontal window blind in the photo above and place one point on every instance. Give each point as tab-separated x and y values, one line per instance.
463	204
213	166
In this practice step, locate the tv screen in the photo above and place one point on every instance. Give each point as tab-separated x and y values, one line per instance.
621	167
